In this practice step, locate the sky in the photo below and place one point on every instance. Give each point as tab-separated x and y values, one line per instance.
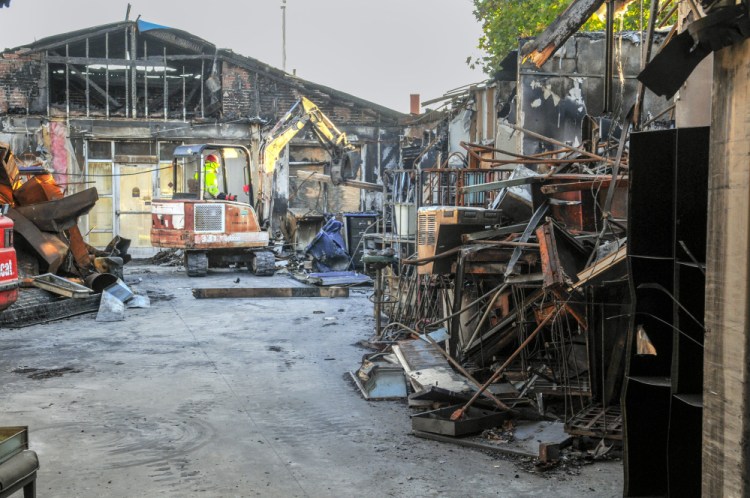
379	50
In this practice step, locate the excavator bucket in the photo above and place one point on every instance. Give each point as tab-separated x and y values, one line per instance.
344	167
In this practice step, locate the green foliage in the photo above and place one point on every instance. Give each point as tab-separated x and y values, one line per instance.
505	21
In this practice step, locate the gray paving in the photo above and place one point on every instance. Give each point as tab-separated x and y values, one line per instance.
233	397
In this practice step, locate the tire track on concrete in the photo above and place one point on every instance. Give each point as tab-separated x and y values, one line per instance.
242	405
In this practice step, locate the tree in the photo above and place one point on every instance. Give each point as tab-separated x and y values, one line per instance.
505	21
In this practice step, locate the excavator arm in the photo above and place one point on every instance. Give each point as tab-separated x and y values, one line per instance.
345	159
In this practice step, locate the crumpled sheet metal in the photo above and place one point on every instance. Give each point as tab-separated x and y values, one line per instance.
48	246
61	214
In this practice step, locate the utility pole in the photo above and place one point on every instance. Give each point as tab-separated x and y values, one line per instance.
283	35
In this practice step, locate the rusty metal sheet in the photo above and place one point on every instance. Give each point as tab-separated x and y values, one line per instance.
60	214
48	246
78	247
38	189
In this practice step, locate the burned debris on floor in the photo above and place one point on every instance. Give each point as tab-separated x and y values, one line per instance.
511	307
59	274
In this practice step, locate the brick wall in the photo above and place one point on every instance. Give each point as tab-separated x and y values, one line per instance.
21	84
237	92
247	93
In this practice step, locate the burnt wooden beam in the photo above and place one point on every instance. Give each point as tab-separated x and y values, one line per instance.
546	44
96	88
274	292
73	39
151	60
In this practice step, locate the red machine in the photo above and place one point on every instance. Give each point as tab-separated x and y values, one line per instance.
212	230
8	264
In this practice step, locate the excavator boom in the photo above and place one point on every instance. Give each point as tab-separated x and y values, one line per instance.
345	159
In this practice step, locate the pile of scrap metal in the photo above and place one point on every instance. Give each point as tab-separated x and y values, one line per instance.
50	248
529	293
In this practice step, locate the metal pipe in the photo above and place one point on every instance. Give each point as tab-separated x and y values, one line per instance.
166	85
67	86
184	109
145	78
127	84
46	54
378	298
459	413
106	70
609	56
484	318
87	80
283	35
649	44
133	71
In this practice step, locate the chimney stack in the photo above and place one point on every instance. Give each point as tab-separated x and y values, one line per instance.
414	103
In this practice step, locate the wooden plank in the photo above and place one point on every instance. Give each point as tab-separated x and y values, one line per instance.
264	292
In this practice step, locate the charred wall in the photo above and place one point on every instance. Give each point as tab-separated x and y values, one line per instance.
22	84
554	99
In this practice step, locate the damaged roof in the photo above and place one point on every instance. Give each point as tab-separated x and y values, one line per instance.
154	30
306	87
201	47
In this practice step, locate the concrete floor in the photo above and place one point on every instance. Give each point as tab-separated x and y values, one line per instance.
234	398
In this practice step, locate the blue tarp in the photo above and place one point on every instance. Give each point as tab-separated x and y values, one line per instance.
328	248
148	26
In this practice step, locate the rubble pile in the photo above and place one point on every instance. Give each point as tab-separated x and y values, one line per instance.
511	311
55	264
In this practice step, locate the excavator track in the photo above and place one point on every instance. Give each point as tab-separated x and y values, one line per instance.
263	264
196	263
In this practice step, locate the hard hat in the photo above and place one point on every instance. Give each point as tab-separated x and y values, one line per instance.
212	159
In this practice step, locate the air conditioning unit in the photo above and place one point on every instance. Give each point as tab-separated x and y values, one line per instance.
439	229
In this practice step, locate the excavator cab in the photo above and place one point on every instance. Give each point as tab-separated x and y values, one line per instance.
212	172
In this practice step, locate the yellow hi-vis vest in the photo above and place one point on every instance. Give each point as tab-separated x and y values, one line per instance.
211	177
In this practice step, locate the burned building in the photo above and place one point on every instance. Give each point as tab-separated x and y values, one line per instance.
105	106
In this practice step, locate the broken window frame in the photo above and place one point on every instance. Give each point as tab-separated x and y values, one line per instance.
87	162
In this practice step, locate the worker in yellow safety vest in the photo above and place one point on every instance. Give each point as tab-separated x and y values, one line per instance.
211	176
